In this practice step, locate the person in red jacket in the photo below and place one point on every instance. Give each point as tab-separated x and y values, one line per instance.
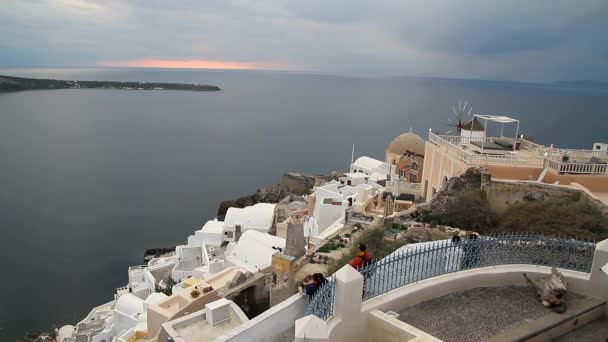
362	258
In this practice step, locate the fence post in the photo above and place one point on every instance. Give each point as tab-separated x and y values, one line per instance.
348	296
349	292
598	280
346	322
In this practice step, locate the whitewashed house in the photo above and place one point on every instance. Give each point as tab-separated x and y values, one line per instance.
331	201
377	170
254	250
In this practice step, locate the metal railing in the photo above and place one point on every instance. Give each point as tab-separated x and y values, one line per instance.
443	257
322	303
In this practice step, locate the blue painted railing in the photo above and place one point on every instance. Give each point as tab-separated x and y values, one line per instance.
442	257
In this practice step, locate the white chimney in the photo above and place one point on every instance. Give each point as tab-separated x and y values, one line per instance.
218	311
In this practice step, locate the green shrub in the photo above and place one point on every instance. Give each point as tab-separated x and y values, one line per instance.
574	217
330	246
438	218
471	211
376	244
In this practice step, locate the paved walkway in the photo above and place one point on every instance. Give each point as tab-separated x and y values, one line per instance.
475	314
596	331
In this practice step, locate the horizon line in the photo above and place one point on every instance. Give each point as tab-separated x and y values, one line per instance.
309	72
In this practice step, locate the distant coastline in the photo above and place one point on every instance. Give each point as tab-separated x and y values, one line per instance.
10	84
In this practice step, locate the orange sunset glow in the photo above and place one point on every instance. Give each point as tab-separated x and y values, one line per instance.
179	64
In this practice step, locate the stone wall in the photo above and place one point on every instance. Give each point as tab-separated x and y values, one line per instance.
475	178
501	194
504	194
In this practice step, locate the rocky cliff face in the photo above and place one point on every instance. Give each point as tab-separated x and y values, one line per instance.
475	178
271	194
291	183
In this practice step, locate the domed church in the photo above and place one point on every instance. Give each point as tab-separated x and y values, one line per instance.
406	151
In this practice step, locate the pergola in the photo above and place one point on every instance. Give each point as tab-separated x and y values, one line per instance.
499	119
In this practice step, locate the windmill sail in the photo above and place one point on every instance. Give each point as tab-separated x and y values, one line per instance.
462	115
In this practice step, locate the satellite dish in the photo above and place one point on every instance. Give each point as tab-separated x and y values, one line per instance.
462	115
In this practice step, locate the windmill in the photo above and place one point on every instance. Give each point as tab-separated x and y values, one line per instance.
462	115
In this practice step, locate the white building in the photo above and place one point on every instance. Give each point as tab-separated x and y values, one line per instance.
258	217
376	169
212	234
128	317
254	250
331	201
203	254
188	259
238	220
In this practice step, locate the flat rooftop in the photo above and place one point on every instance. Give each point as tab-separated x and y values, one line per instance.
477	314
202	331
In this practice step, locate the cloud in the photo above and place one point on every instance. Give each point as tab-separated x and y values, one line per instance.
176	64
517	39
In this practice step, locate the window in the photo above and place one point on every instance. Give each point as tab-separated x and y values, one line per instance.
597	147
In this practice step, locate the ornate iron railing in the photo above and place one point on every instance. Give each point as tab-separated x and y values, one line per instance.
322	303
437	258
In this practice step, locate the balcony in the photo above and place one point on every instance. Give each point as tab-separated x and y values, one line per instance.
524	154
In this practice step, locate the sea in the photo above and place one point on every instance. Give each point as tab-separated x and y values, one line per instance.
90	179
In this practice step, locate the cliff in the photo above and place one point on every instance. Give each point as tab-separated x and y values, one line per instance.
292	183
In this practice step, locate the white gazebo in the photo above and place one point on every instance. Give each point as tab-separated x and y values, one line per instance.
502	120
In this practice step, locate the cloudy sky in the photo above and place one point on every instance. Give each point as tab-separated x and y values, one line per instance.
534	40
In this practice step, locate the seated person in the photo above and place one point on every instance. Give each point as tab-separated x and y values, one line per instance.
312	283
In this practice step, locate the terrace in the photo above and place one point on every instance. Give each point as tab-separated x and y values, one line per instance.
519	152
484	276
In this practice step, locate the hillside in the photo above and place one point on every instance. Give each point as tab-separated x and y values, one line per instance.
10	83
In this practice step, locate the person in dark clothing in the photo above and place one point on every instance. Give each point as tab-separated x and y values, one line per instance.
316	281
470	255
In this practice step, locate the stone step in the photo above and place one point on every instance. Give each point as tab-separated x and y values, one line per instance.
551	326
594	331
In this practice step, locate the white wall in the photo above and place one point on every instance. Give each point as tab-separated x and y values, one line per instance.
254	250
370	166
257	217
188	258
271	324
212	234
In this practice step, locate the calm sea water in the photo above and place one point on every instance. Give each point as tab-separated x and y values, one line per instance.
89	179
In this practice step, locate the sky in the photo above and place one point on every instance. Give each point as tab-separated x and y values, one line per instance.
539	40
